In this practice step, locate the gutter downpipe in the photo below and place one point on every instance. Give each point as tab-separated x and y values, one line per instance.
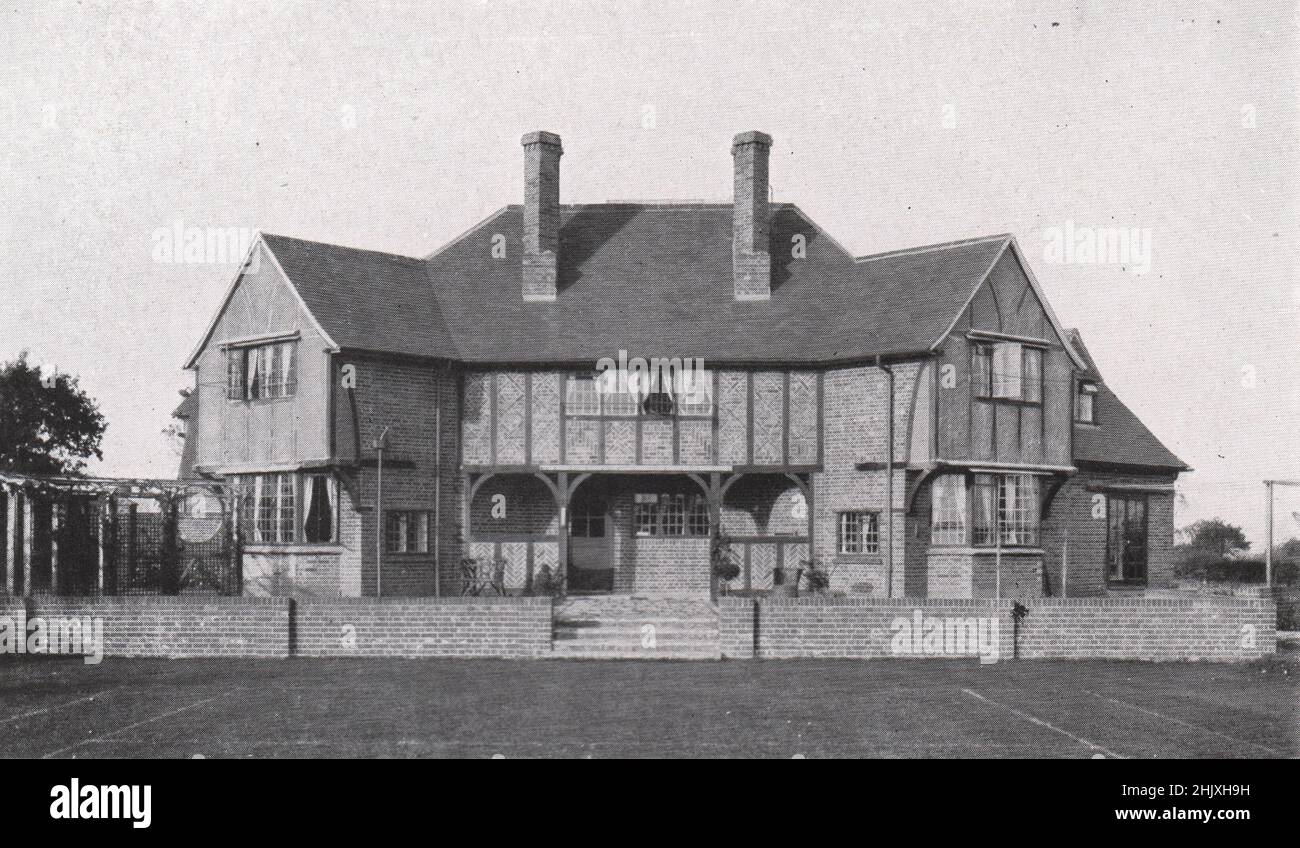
889	478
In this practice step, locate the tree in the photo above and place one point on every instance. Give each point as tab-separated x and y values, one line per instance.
1216	537
48	425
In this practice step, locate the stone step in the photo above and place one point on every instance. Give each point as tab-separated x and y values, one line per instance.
612	627
627	652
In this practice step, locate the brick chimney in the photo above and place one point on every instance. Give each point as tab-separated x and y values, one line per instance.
750	262
542	153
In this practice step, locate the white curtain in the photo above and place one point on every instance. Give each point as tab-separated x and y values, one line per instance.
332	491
309	500
1006	370
250	374
286	367
257	508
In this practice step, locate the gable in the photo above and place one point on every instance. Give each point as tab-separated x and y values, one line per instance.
260	301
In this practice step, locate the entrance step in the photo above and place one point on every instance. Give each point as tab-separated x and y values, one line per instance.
635	628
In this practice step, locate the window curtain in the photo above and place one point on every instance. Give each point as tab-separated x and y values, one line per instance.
250	373
1033	374
257	507
287	381
1006	369
332	493
984	507
309	501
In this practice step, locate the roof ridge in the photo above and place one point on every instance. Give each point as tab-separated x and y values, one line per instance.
384	253
930	248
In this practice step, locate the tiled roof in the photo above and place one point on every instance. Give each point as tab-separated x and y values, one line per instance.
654	280
1118	437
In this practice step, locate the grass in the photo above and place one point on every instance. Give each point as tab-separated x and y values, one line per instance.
481	708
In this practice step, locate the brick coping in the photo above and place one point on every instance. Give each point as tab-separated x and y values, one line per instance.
1003	603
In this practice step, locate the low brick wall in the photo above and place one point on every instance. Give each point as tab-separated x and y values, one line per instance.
1288	607
1220	629
736	618
422	627
185	626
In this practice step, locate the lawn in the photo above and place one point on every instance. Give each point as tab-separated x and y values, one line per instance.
810	708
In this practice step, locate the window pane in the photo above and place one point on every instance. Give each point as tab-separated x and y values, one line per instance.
581	396
287	525
698	518
695	394
1033	373
644	514
1084	403
981	371
674	514
948	510
1006	369
235	361
983	502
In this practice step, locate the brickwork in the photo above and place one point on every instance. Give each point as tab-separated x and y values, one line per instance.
736	617
446	627
1072	512
180	626
1218	629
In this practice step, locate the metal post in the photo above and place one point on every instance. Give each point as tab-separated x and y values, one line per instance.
1268	547
437	493
997	561
1065	565
102	516
379	514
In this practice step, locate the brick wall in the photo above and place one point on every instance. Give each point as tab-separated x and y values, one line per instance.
855	410
1072	511
736	617
180	626
1220	629
404	397
418	627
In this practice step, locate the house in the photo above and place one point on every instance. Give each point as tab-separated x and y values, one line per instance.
590	390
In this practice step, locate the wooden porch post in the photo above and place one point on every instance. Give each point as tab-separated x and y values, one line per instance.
562	502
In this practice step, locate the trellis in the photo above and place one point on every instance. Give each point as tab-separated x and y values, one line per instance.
108	536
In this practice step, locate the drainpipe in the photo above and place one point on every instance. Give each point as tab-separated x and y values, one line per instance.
379	513
889	479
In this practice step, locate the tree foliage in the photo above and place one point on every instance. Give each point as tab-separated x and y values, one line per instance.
48	425
1216	537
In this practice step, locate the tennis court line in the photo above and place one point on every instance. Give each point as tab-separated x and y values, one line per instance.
1041	723
1188	724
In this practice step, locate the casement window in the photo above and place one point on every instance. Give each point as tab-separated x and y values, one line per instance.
1004	509
697	516
859	533
581	395
608	395
407	532
1008	371
274	512
1126	538
1084	404
265	371
948	510
670	515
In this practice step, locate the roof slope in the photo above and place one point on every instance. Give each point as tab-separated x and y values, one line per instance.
654	280
1118	437
365	299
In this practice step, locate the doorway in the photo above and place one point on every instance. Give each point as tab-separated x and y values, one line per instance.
591	560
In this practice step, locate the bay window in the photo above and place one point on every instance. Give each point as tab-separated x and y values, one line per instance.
948	510
1004	509
287	508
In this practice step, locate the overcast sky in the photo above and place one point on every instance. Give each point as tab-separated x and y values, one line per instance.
396	127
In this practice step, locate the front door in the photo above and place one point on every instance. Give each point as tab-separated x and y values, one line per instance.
591	565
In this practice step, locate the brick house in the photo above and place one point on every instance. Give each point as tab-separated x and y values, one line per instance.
915	423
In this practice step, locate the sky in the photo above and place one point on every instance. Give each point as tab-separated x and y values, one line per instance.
396	127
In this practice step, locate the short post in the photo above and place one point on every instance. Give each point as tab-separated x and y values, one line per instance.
1268	546
1065	565
11	541
28	528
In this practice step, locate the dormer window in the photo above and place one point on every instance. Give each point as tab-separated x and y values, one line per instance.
1084	405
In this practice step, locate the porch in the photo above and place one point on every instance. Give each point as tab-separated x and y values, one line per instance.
638	532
